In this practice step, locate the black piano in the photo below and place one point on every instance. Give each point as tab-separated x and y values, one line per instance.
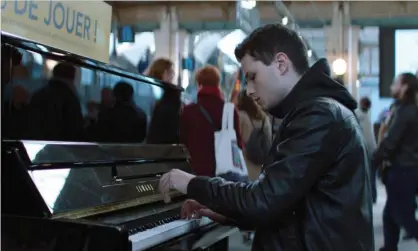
88	196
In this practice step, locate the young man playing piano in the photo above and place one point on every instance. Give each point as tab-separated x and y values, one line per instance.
314	191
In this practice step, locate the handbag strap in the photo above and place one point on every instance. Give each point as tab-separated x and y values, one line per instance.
228	117
207	116
225	117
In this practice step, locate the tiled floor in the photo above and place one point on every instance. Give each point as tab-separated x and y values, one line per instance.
237	245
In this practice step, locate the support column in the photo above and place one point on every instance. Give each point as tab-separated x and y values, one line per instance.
342	43
170	42
353	34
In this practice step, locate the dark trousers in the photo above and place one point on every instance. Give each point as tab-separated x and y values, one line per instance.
373	177
399	212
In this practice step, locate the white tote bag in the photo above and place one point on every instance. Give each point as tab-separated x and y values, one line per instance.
229	157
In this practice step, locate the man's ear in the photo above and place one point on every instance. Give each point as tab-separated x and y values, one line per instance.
282	62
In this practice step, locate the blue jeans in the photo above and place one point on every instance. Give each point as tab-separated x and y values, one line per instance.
399	212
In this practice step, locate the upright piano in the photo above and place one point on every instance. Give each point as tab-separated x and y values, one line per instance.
88	196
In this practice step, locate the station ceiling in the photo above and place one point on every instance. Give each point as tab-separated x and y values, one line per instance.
221	15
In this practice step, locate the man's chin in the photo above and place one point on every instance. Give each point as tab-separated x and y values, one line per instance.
265	108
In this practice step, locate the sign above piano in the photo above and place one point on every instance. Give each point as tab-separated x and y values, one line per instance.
79	27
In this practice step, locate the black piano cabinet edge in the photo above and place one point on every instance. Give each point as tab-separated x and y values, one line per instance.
192	236
29	233
81	60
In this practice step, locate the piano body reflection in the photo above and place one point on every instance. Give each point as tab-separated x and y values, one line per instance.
90	196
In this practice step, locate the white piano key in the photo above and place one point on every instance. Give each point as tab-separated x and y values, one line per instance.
154	236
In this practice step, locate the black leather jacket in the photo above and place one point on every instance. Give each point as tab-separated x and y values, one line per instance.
400	145
314	192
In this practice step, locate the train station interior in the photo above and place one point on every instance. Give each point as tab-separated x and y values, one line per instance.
366	43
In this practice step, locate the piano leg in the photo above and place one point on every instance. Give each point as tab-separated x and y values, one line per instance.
222	245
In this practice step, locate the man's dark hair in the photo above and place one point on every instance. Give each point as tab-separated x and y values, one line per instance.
365	102
265	42
411	81
123	92
64	70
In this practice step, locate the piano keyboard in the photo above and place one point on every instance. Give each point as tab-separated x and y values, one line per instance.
147	236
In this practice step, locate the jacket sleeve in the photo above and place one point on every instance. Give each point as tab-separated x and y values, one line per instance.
395	133
309	146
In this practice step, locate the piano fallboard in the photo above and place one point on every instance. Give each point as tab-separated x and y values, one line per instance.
75	180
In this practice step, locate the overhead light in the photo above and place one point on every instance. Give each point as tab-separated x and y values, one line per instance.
285	20
248	4
309	53
43	48
50	64
339	66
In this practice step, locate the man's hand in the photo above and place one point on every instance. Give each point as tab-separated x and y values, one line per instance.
192	209
175	179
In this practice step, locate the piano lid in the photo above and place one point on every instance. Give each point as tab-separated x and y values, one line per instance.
78	60
76	180
42	154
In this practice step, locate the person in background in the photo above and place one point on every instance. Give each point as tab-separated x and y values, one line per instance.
400	148
363	116
165	118
107	100
15	117
10	57
386	164
314	191
196	132
384	125
91	118
163	70
55	110
251	117
124	122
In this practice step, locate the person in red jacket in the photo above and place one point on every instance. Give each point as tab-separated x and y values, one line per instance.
196	132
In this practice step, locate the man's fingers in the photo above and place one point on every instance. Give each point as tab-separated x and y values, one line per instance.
167	198
207	212
212	215
164	187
